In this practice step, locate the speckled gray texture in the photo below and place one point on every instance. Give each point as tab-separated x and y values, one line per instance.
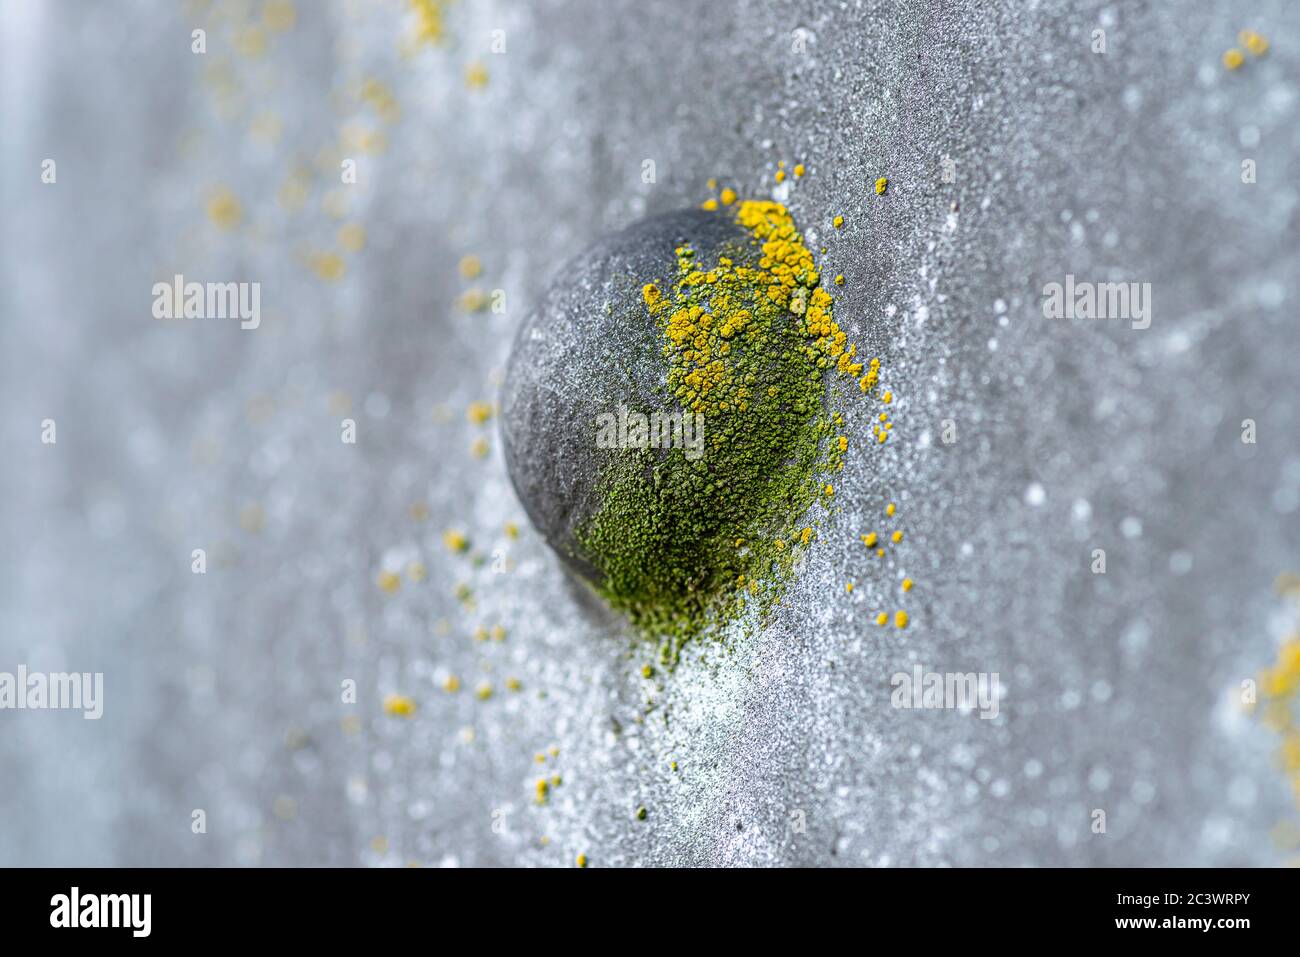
223	690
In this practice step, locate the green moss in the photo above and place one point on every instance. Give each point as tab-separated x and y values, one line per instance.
682	544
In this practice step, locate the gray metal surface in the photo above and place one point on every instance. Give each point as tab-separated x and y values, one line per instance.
223	690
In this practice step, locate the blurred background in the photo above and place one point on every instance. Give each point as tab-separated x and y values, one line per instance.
381	664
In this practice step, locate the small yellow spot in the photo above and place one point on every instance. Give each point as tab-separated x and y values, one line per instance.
399	706
483	691
728	196
455	540
389	582
476	76
480	634
513	684
881	185
1254	42
474	300
512	530
839	280
582	860
470	267
882	619
806	536
224	209
352	237
709	204
838	222
829	490
780	176
896	537
498	633
907	584
869	540
479	448
1233	59
541	790
900	619
798	170
843	443
650	293
887	398
848	587
328	266
890	509
647	671
479	412
451	685
712	183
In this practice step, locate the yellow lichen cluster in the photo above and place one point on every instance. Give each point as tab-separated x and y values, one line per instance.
872	541
1255	43
399	706
1279	694
429	26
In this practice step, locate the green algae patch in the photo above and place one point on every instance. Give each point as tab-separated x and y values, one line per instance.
682	541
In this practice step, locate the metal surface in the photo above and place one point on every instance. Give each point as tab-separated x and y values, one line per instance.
224	691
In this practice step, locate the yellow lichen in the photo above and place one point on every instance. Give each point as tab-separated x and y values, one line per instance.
399	706
470	266
224	209
352	237
1254	42
476	76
